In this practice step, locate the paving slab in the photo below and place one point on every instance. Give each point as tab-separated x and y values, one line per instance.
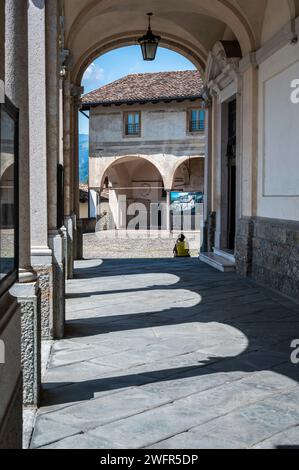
168	353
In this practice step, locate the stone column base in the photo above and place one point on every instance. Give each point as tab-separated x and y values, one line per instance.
56	243
75	236
69	225
41	260
28	297
79	254
10	374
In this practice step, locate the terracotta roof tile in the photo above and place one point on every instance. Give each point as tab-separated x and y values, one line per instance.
147	87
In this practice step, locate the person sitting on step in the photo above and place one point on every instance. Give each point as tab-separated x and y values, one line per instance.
181	249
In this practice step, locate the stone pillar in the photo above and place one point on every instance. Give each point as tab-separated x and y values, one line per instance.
248	107
208	229
76	195
56	242
76	92
71	157
27	292
67	160
61	163
17	90
168	210
2	40
94	199
218	124
69	243
10	332
55	235
41	254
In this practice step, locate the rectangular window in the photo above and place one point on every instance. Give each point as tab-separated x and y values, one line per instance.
8	195
196	120
132	123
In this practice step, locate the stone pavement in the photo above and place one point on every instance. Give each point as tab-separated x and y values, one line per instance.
170	354
136	244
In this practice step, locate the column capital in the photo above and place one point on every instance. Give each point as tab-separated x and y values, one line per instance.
76	91
250	60
207	98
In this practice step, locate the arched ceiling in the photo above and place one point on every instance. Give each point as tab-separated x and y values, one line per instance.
119	168
188	26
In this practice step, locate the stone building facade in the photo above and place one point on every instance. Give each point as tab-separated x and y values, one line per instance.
147	139
247	53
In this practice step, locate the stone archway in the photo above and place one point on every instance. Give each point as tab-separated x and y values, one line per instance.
107	164
129	185
188	175
196	56
174	20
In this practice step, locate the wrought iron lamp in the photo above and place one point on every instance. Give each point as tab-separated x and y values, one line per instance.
149	42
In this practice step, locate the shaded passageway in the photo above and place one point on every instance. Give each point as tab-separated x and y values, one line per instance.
172	354
158	352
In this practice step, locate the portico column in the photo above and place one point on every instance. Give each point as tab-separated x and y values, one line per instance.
67	160
17	90
41	254
168	210
209	227
2	39
55	235
10	331
217	149
71	177
26	292
247	166
78	235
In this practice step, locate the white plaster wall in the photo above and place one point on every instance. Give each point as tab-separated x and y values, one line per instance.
164	124
164	142
158	122
278	136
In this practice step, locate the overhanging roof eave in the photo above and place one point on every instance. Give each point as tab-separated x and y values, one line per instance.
87	106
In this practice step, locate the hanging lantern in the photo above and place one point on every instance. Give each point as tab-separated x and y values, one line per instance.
149	42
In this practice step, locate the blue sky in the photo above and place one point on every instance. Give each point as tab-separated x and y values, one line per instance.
126	60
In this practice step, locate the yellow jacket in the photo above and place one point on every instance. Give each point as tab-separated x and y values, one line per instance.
182	248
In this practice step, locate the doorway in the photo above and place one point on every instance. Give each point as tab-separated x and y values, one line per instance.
231	174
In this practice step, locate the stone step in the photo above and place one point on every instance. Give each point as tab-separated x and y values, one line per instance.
227	254
218	262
